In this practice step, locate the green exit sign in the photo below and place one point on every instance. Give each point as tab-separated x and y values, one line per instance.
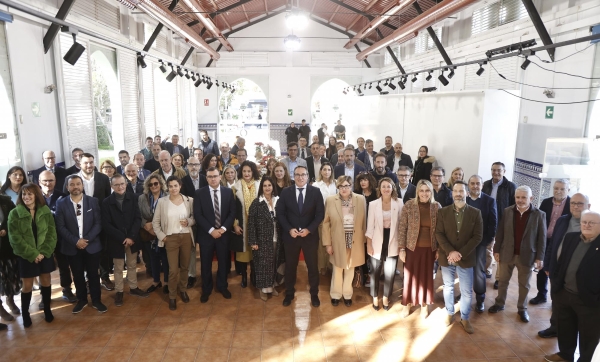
549	112
290	112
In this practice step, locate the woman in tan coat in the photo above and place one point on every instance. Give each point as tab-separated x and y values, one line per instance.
344	237
418	248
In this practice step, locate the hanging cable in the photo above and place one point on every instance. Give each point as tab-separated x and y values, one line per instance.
563	73
546	102
537	86
568	56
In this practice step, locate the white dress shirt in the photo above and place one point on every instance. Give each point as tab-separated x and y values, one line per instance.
88	185
80	216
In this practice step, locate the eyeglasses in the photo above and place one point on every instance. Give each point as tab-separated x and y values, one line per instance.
403	175
437	176
122	184
78	209
107	167
152	184
590	223
44	181
193	164
578	204
345	186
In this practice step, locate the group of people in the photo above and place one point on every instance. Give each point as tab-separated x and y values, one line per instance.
362	215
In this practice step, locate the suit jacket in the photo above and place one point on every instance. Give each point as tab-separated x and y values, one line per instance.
411	192
444	196
151	165
588	283
405	160
560	230
488	214
187	153
310	163
68	229
170	147
139	187
56	195
204	212
188	188
505	196
290	217
340	170
533	244
375	227
145	173
102	187
363	155
121	170
465	242
547	204
120	223
59	172
300	162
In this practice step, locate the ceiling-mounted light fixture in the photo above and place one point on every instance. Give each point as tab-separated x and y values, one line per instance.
386	83
296	20
209	83
187	75
162	66
232	90
391	85
525	63
378	88
401	83
344	91
443	79
171	75
140	60
74	52
429	89
429	76
179	72
480	70
193	77
198	82
370	85
414	79
451	74
291	42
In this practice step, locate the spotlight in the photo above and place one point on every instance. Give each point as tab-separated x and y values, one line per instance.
378	88
391	85
193	77
429	89
511	48
223	85
210	84
140	60
429	77
451	74
291	42
179	71
171	75
480	70
359	92
370	85
443	79
187	75
386	83
233	91
525	63
162	67
414	79
401	85
344	91
74	52
203	80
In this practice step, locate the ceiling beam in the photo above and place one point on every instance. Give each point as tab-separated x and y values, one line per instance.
247	25
245	13
358	17
370	17
53	30
539	26
227	8
434	37
333	14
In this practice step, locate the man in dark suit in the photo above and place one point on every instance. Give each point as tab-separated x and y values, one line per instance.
388	150
368	156
76	155
300	210
173	146
442	193
134	184
487	206
575	286
458	231
60	173
195	180
78	223
139	161
554	207
398	159
47	182
189	150
349	168
153	164
520	243
406	190
214	211
314	162
124	161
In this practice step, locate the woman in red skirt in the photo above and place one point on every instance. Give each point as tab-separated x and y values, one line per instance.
418	248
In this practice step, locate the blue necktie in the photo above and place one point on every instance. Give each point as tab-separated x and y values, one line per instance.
300	200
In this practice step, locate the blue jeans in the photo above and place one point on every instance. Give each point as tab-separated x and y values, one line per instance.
158	259
465	277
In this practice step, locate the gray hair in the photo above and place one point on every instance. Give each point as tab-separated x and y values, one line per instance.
404	168
525	188
563	181
479	177
438	168
240	140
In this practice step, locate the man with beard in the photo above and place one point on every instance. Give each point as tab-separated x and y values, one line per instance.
380	171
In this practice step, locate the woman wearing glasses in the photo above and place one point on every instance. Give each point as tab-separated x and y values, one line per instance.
108	168
264	238
32	235
154	189
382	239
418	248
326	184
344	229
172	223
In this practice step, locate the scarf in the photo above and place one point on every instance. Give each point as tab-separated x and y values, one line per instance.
249	192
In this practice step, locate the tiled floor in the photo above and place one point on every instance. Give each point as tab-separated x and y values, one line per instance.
246	329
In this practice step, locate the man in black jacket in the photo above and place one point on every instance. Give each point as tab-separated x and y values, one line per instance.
442	193
314	162
554	207
380	170
60	173
398	159
173	146
207	145
575	286
291	133
388	150
304	130
406	190
153	164
76	155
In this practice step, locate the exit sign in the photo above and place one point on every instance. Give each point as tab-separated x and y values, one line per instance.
549	112
290	112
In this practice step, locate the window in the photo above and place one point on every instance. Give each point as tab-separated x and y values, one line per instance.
497	14
424	42
99	11
387	60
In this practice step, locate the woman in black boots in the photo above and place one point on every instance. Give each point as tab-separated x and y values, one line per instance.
32	235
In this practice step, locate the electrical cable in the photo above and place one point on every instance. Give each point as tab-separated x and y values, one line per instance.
546	102
557	72
568	56
536	86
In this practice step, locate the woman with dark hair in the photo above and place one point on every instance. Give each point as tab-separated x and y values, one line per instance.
154	189
32	235
423	166
281	176
331	148
172	223
245	191
264	238
366	185
10	283
210	160
15	177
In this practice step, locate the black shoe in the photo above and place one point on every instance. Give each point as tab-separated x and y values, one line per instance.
479	308
172	304
538	300
335	302
26	319
226	293
488	275
153	287
166	289
107	284
191	282
139	293
79	306
495	308
524	316
386	307
376	307
244	280
457	299
3	327
287	301
347	302
119	299
548	333
69	296
314	300
184	297
99	307
204	298
496	285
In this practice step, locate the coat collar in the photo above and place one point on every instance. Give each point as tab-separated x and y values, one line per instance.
23	212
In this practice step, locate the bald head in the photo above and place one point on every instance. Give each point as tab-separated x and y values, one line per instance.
47	181
590	225
579	203
131	171
164	158
49	159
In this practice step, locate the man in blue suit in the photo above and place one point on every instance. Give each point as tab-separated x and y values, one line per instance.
214	211
78	223
487	206
349	168
368	156
300	210
60	173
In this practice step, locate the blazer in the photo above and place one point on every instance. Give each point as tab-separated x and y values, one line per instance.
505	196
186	153
588	283
300	162
363	155
21	237
68	230
119	223
375	227
151	165
160	222
405	160
59	172
333	233
411	192
310	164
139	187
204	212
170	147
560	230
145	173
289	216
340	170
177	171
489	216
187	185
56	195
444	196
241	218
410	225
471	233
102	187
533	245
547	205
121	170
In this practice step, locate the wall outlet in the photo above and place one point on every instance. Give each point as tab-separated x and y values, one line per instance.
525	119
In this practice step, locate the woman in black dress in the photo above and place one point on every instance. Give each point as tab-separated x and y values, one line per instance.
10	283
423	166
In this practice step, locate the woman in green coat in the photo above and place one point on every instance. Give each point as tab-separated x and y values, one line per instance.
32	235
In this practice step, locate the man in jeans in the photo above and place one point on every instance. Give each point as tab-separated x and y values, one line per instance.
459	230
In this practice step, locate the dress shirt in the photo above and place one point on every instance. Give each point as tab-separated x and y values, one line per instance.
177	149
371	161
196	182
303	193
495	188
88	185
225	159
402	191
317	163
48	197
306	154
557	210
80	217
167	174
396	164
212	198
349	172
292	165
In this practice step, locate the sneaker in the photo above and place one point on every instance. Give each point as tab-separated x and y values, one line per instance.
107	284
69	296
99	307
139	293
467	326
119	299
79	306
538	300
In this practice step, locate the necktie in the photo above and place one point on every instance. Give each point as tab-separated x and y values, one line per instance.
302	155
300	200
217	211
140	175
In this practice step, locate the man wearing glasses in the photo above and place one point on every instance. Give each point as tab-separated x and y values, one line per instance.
60	173
406	189
442	193
293	161
300	211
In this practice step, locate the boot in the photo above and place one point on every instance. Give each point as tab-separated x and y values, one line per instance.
252	274
46	294
244	280
10	303
25	301
4	314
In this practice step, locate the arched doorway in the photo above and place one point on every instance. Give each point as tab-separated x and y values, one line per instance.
328	104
